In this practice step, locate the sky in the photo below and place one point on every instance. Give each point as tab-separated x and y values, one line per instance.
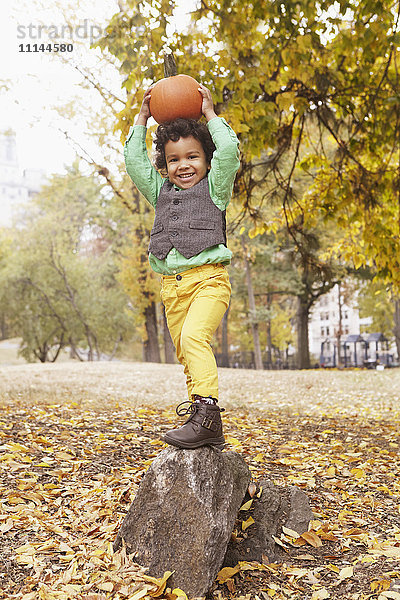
38	84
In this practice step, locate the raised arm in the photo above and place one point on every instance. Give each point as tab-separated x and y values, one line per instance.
138	166
225	161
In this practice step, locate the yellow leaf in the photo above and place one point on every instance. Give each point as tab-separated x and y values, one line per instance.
225	574
246	505
17	447
248	566
247	523
346	573
180	594
297	572
380	585
25	549
259	457
64	456
25	559
331	471
162	583
233	441
139	594
358	473
320	594
333	568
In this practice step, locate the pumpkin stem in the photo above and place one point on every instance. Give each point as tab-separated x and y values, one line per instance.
170	69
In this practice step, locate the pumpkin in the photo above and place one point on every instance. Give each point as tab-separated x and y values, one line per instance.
174	97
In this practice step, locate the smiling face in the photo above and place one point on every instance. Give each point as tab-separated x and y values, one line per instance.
186	161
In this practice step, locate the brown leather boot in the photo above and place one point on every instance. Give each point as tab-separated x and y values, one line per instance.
203	427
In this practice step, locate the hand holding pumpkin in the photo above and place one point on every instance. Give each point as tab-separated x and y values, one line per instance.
144	112
207	107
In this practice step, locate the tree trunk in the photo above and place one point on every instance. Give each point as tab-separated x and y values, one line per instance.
224	361
269	338
169	348
3	328
151	349
339	330
396	328
74	353
252	309
303	351
116	345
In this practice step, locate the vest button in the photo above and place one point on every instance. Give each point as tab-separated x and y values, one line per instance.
174	233
179	277
176	201
174	217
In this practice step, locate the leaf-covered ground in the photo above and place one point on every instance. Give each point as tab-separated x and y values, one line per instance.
76	439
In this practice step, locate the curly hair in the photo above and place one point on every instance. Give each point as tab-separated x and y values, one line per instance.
181	128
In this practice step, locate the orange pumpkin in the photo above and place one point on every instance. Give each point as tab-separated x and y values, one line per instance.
174	97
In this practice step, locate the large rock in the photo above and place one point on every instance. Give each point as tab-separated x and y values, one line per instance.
183	514
276	506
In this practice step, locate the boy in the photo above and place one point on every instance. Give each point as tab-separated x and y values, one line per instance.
197	165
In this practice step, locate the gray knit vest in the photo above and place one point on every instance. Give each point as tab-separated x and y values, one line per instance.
187	220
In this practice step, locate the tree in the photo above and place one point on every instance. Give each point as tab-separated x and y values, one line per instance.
6	324
280	73
252	308
62	273
375	300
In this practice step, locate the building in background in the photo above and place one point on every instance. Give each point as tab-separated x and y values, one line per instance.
336	311
16	185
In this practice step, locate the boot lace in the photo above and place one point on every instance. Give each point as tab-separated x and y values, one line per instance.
186	408
190	408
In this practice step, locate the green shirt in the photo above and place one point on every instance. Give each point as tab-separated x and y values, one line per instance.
224	165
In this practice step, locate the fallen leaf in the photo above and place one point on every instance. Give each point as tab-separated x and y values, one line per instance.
252	489
139	594
246	505
162	584
9	524
346	573
358	473
312	539
180	594
380	585
290	532
233	441
108	586
226	573
279	542
321	594
246	524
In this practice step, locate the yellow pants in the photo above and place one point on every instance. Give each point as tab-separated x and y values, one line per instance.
195	302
